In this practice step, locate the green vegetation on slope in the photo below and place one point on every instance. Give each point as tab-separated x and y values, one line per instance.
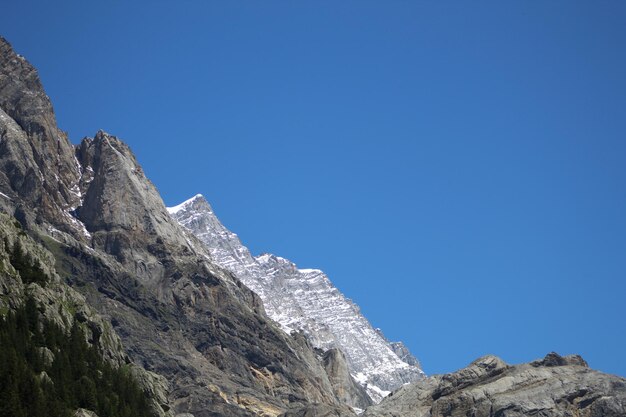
48	371
29	269
35	384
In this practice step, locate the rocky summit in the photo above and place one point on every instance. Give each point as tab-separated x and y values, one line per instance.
305	300
554	386
91	259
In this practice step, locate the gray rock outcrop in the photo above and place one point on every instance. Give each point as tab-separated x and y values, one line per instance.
553	387
344	386
81	412
318	410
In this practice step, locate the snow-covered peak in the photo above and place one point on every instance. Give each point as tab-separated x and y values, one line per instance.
305	299
185	204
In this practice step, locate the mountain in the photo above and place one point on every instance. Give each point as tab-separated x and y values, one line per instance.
306	300
177	313
107	302
40	369
552	387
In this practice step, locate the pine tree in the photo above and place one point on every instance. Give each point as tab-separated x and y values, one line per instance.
80	377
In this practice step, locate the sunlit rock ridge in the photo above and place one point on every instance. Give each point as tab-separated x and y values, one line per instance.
306	300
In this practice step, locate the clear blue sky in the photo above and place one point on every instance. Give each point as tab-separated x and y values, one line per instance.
457	168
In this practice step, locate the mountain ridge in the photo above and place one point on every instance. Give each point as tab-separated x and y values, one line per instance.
304	299
555	386
201	338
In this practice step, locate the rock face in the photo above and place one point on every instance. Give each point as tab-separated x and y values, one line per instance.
317	411
555	386
179	315
57	302
64	306
81	412
37	162
345	387
305	299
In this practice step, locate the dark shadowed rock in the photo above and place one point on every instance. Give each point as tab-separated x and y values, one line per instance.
554	359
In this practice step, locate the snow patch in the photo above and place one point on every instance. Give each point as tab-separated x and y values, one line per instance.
264	258
310	271
376	393
78	225
52	231
184	204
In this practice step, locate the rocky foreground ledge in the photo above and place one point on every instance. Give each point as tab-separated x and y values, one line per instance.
556	386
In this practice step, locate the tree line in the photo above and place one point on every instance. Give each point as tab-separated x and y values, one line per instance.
48	372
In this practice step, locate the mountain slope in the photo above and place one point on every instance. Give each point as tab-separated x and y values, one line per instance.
305	299
57	316
178	314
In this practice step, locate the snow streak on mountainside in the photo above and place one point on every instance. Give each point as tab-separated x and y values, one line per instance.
305	299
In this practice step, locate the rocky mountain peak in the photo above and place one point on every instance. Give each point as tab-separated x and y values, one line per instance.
554	359
305	300
37	162
197	202
553	386
117	180
23	98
